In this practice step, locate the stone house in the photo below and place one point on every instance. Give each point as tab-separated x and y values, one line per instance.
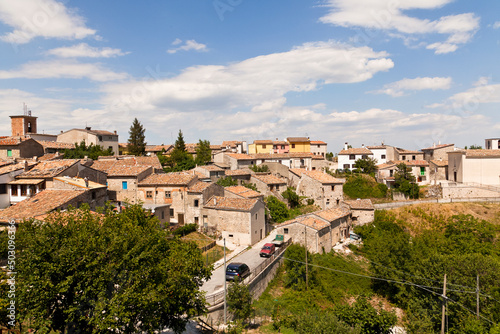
261	146
438	170
242	192
290	160
160	211
123	182
240	175
168	188
362	211
408	155
437	152
326	190
50	147
419	169
45	202
269	185
159	149
103	138
239	220
382	153
8	172
197	196
234	146
474	166
234	160
318	148
492	143
96	194
318	231
210	172
12	148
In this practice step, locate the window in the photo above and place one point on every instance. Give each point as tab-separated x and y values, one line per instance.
391	173
255	216
149	194
333	188
277	188
285	231
403	157
9	152
230	235
110	147
196	203
318	145
162	214
422	171
196	220
293	145
364	156
413	157
13	190
93	195
100	138
382	156
3	188
283	146
264	146
124	185
24	190
352	157
168	194
171	212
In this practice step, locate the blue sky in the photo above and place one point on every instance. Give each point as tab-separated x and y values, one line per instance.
409	73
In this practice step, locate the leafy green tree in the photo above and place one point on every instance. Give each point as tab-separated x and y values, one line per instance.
367	165
227	181
239	300
475	147
371	320
81	151
329	156
364	186
277	209
295	257
260	168
250	186
292	197
136	141
404	181
102	273
180	159
203	153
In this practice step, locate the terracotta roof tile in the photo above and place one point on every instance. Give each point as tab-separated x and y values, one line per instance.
56	144
280	142
437	147
40	204
360	150
290	155
212	168
12	141
263	142
243	191
11	168
199	186
49	156
240	156
316	223
47	169
230	143
321	177
122	170
232	204
269	179
412	162
360	204
178	179
318	142
159	148
235	172
403	151
298	140
482	153
440	163
332	214
376	147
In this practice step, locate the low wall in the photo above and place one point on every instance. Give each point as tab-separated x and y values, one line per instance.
393	205
461	191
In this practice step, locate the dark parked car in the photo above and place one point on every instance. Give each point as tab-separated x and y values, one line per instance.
237	271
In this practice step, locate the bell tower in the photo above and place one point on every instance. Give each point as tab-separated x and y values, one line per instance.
23	125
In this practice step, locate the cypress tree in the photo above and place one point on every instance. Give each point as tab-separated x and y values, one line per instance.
136	142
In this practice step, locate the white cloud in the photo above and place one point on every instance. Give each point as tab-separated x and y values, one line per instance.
63	69
187	46
496	25
399	88
41	18
255	81
85	50
390	17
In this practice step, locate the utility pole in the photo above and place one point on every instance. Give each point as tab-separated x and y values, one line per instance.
477	298
444	306
225	301
305	239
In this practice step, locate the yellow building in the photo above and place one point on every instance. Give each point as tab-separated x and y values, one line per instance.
299	144
260	146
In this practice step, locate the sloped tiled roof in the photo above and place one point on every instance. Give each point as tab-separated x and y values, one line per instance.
178	179
436	147
403	151
159	148
440	163
4	169
240	156
47	169
280	142
235	172
56	144
199	186
360	150
482	153
376	147
311	221
232	204
360	204
321	177
212	168
318	142
332	214
269	179
40	204
49	156
298	140
263	142
243	191
230	143
105	164
123	170
296	155
12	141
412	162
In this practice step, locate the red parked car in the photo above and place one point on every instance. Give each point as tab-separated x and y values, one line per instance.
267	250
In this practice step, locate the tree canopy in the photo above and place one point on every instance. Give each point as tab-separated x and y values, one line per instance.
404	181
367	165
110	272
136	141
81	151
203	153
180	159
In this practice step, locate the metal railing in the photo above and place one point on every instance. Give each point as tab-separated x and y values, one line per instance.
218	297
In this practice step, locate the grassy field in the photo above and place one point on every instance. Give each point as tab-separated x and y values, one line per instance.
213	254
